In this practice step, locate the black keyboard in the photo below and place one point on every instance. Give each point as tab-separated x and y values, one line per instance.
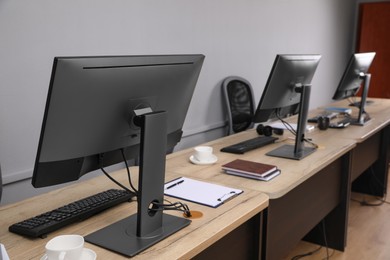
50	221
247	145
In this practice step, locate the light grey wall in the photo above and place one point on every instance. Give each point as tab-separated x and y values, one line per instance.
238	37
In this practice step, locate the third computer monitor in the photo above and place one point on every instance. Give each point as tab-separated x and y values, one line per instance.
354	75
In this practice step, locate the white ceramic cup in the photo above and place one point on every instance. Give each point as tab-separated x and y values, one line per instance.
203	153
65	247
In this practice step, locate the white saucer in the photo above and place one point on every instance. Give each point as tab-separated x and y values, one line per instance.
212	160
87	254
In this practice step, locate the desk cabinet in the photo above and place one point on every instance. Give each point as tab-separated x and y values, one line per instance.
291	217
242	243
370	166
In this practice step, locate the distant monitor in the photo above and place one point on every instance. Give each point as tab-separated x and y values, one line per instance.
354	75
97	108
288	89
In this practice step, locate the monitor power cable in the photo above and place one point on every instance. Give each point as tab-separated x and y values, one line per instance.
289	127
155	205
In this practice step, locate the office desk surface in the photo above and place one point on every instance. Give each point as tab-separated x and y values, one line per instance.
292	174
378	110
186	243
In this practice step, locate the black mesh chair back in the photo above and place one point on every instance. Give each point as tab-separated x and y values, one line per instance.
239	103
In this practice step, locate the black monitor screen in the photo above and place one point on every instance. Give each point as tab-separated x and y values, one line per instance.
352	79
288	90
90	106
279	96
105	110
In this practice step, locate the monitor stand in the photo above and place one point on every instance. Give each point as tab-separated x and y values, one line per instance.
297	151
144	229
363	116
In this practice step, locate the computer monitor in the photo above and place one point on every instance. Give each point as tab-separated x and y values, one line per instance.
354	75
288	86
97	108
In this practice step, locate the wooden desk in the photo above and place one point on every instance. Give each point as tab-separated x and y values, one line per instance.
311	194
305	193
233	229
371	157
379	112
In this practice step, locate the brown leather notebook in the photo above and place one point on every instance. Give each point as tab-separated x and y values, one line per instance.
249	167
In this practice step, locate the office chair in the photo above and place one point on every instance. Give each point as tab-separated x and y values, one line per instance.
239	103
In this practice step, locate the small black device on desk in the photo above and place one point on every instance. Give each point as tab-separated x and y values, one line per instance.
247	145
329	115
50	221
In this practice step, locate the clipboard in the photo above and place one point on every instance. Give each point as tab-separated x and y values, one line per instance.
204	193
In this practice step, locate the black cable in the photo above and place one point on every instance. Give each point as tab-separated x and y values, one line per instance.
372	204
381	184
128	172
325	238
293	131
307	254
355	200
329	255
352	100
179	206
101	157
319	248
160	206
381	200
115	181
285	123
366	203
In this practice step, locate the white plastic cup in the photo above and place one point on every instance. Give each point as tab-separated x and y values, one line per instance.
65	247
203	153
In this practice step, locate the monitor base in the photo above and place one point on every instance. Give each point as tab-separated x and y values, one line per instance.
287	151
361	122
358	103
121	236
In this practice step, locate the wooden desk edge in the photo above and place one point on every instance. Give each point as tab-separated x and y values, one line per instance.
263	201
181	159
226	218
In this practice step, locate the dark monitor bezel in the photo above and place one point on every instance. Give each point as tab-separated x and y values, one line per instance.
356	73
72	167
140	103
289	86
274	87
352	79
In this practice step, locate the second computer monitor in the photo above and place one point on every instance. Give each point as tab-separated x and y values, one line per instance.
288	87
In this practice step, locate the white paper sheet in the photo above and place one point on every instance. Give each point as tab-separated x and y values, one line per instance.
200	192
